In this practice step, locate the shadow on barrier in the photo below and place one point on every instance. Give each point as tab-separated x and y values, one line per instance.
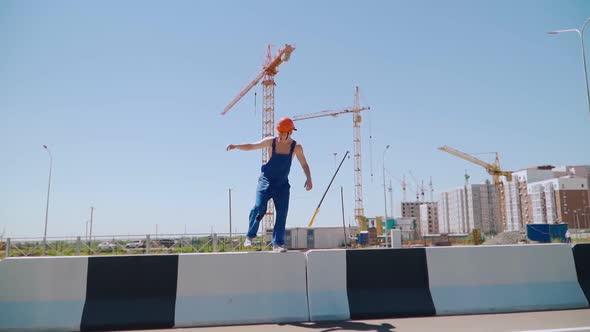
345	326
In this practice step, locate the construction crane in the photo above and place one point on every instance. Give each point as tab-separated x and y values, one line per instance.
431	190
495	171
390	189
422	190
401	182
417	186
403	186
359	212
269	70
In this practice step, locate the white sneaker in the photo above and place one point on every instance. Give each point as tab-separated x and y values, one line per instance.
248	242
279	248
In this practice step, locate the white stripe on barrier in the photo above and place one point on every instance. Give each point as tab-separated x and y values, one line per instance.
326	282
490	279
581	328
241	288
42	293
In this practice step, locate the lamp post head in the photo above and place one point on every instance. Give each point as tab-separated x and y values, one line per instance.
45	146
556	32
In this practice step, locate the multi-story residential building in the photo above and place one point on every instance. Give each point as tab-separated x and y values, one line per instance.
557	200
465	208
411	209
518	207
542	194
429	218
530	199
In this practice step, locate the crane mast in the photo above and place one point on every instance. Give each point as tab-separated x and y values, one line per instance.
404	184
431	190
268	121
417	186
267	75
359	212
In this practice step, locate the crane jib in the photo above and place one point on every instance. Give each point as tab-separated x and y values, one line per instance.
271	69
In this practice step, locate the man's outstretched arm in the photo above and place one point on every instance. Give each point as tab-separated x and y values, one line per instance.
263	143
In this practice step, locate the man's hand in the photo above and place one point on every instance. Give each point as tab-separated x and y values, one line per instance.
230	147
308	185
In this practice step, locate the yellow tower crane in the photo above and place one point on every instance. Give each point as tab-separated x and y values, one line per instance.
269	70
496	172
359	212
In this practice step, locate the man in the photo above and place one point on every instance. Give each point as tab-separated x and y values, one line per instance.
274	180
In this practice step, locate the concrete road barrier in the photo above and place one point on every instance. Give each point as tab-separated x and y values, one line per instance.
378	283
44	293
582	261
165	291
241	288
388	283
130	292
490	279
326	285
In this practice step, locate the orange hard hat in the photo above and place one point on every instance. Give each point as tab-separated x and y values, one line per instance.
285	125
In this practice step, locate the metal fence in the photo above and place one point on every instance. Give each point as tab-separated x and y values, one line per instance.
127	245
159	244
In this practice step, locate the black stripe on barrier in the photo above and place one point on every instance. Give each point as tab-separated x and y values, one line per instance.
130	292
582	260
387	283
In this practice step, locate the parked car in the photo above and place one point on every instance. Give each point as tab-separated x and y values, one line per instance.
107	246
135	244
167	242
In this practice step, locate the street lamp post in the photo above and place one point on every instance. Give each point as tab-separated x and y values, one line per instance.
47	205
586	216
230	241
91	222
580	33
384	189
577	222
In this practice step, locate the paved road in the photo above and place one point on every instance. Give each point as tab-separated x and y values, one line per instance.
546	321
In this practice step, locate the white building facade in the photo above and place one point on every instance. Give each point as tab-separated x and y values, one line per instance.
518	203
559	200
465	208
429	218
532	195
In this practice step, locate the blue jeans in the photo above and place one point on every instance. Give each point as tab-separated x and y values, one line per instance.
280	195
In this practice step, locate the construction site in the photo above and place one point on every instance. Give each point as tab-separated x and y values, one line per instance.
539	195
501	210
383	166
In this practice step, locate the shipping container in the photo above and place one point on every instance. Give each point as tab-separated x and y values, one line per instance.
546	233
317	237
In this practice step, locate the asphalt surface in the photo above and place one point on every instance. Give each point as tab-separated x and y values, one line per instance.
543	321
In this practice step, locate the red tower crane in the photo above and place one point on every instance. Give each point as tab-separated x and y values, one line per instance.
269	70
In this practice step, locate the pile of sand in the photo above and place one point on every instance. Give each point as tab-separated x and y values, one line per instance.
506	238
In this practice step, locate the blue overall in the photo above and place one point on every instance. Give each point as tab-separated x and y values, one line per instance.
273	183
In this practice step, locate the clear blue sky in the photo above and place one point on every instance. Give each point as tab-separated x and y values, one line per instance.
127	95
